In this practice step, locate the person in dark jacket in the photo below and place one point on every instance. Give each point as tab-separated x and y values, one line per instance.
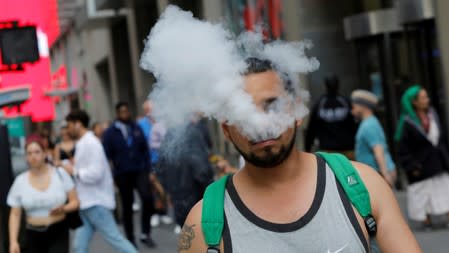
127	150
187	171
331	122
424	156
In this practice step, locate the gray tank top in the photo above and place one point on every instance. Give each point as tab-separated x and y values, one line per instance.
329	226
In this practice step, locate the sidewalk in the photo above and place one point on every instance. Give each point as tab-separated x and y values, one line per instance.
164	237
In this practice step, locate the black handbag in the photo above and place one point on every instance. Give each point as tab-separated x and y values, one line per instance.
72	219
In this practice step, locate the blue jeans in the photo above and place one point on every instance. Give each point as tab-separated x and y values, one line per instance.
98	218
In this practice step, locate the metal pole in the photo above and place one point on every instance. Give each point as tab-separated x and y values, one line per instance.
387	80
6	178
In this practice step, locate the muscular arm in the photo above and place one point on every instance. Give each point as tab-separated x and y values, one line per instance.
191	239
393	233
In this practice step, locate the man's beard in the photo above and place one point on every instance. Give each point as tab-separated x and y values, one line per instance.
270	160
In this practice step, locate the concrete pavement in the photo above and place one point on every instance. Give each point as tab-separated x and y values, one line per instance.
163	236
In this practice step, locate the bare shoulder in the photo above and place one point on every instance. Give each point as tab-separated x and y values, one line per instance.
380	192
393	233
369	175
191	238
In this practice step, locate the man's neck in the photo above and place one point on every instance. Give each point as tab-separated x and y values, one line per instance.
83	131
284	172
367	114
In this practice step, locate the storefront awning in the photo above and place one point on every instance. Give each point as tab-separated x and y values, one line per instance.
61	92
411	11
14	96
371	23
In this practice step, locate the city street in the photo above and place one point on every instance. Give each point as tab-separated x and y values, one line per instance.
164	237
104	99
435	241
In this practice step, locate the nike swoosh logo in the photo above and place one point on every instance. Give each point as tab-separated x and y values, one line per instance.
338	251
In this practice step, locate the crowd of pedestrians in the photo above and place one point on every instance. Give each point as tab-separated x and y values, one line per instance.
72	185
422	151
75	184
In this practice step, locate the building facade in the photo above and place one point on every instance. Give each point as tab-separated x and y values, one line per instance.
101	45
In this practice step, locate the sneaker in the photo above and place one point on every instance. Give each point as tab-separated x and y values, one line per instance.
177	230
155	221
148	241
167	220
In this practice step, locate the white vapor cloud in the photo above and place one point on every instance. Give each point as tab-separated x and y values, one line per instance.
198	66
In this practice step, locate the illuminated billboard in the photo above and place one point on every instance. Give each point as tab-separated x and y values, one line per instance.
43	14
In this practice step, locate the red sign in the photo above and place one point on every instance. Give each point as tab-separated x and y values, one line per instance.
59	78
44	15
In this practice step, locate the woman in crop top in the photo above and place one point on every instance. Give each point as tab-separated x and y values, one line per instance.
65	150
45	194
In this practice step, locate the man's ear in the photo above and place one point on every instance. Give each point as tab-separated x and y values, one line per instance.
299	122
225	129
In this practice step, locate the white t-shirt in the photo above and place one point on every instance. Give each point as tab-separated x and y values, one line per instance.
38	203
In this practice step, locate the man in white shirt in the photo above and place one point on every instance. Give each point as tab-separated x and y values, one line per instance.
95	188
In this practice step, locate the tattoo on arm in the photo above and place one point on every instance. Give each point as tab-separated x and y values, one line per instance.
186	237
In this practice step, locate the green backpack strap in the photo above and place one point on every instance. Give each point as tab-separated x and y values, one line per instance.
212	219
353	185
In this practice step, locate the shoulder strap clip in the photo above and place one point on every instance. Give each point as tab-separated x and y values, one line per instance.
213	250
371	225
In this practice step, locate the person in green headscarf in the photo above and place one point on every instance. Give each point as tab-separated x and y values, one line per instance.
407	109
424	156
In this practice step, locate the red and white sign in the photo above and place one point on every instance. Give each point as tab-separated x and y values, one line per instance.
44	15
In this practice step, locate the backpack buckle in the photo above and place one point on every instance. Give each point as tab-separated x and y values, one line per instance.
371	225
212	250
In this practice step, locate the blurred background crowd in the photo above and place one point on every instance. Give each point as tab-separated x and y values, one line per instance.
379	97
